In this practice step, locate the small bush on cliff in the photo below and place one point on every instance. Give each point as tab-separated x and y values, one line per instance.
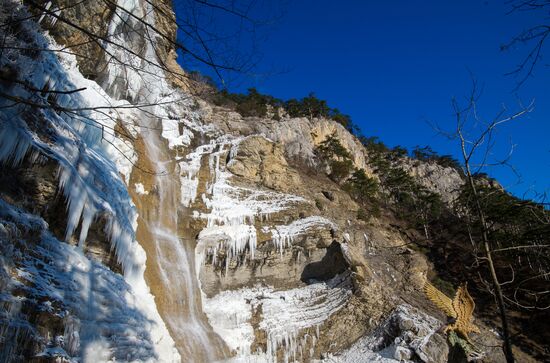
410	200
250	104
373	144
340	169
331	147
336	157
362	187
312	107
309	106
364	190
363	215
427	154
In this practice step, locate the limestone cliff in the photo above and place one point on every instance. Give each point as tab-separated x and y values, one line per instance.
140	222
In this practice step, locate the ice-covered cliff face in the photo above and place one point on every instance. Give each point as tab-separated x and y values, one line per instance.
57	300
140	223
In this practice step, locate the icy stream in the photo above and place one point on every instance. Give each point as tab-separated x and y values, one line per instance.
172	267
180	302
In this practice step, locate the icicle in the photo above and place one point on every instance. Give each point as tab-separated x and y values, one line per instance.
283	236
14	145
71	336
87	218
233	240
47	7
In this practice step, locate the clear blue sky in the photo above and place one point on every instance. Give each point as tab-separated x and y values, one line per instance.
394	65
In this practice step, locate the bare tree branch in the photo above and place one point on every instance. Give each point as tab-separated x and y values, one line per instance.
533	37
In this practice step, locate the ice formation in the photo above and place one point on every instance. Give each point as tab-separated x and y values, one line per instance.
77	130
232	209
81	140
105	318
234	205
284	235
189	167
234	240
290	319
170	110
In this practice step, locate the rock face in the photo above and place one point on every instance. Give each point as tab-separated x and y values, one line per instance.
297	136
187	232
259	160
444	181
270	243
405	335
91	17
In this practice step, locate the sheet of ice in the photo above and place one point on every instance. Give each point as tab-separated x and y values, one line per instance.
298	309
189	168
290	318
171	132
234	205
230	313
105	318
82	140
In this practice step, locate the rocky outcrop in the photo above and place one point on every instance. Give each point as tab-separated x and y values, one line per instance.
445	181
166	48
81	29
406	335
273	242
297	136
259	160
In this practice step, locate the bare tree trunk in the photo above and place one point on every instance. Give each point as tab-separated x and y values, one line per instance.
426	232
469	149
507	345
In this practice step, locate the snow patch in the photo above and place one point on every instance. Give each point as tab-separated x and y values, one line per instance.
140	189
